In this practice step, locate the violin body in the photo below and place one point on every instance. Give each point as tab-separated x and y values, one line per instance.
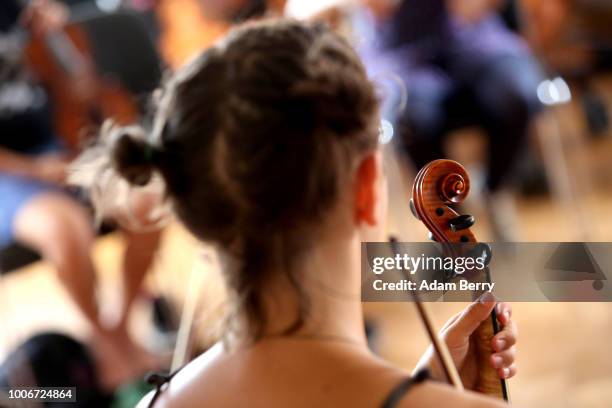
438	186
81	99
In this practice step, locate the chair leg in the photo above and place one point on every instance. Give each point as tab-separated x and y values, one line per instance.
564	181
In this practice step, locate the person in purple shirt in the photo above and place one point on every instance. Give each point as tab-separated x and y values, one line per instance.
460	65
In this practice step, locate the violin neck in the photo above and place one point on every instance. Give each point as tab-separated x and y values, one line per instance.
66	55
488	382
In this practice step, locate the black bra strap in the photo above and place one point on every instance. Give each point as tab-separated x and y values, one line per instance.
400	390
160	381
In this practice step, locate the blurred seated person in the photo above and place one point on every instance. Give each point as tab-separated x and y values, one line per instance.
574	39
35	209
267	144
460	66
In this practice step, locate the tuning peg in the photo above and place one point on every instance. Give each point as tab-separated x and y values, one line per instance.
413	210
482	250
461	222
431	237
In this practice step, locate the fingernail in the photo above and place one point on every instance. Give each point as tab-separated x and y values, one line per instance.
505	372
486	297
500	344
497	361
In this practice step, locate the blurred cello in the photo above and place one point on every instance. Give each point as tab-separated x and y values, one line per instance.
439	185
81	98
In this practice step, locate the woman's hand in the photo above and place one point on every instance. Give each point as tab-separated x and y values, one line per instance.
457	333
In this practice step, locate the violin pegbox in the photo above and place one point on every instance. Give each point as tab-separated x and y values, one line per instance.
437	187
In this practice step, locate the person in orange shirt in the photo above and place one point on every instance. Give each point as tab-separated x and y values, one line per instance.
188	26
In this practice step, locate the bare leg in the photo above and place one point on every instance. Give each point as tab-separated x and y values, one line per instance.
60	229
140	250
137	260
141	247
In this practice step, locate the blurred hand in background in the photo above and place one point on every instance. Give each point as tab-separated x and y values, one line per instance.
472	11
44	16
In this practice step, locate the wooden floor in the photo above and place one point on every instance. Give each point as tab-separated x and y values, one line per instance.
563	356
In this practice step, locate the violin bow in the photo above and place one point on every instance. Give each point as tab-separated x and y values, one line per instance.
438	185
180	355
442	351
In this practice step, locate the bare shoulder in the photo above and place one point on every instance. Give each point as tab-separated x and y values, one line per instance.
434	394
146	400
184	382
270	377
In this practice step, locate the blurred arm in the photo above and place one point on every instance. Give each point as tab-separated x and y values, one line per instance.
15	163
49	168
381	8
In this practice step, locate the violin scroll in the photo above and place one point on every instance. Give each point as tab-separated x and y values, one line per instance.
437	186
454	188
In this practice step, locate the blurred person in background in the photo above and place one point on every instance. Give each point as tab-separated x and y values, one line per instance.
36	211
461	66
573	38
188	26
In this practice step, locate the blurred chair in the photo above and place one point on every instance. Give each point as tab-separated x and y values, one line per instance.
574	45
16	256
